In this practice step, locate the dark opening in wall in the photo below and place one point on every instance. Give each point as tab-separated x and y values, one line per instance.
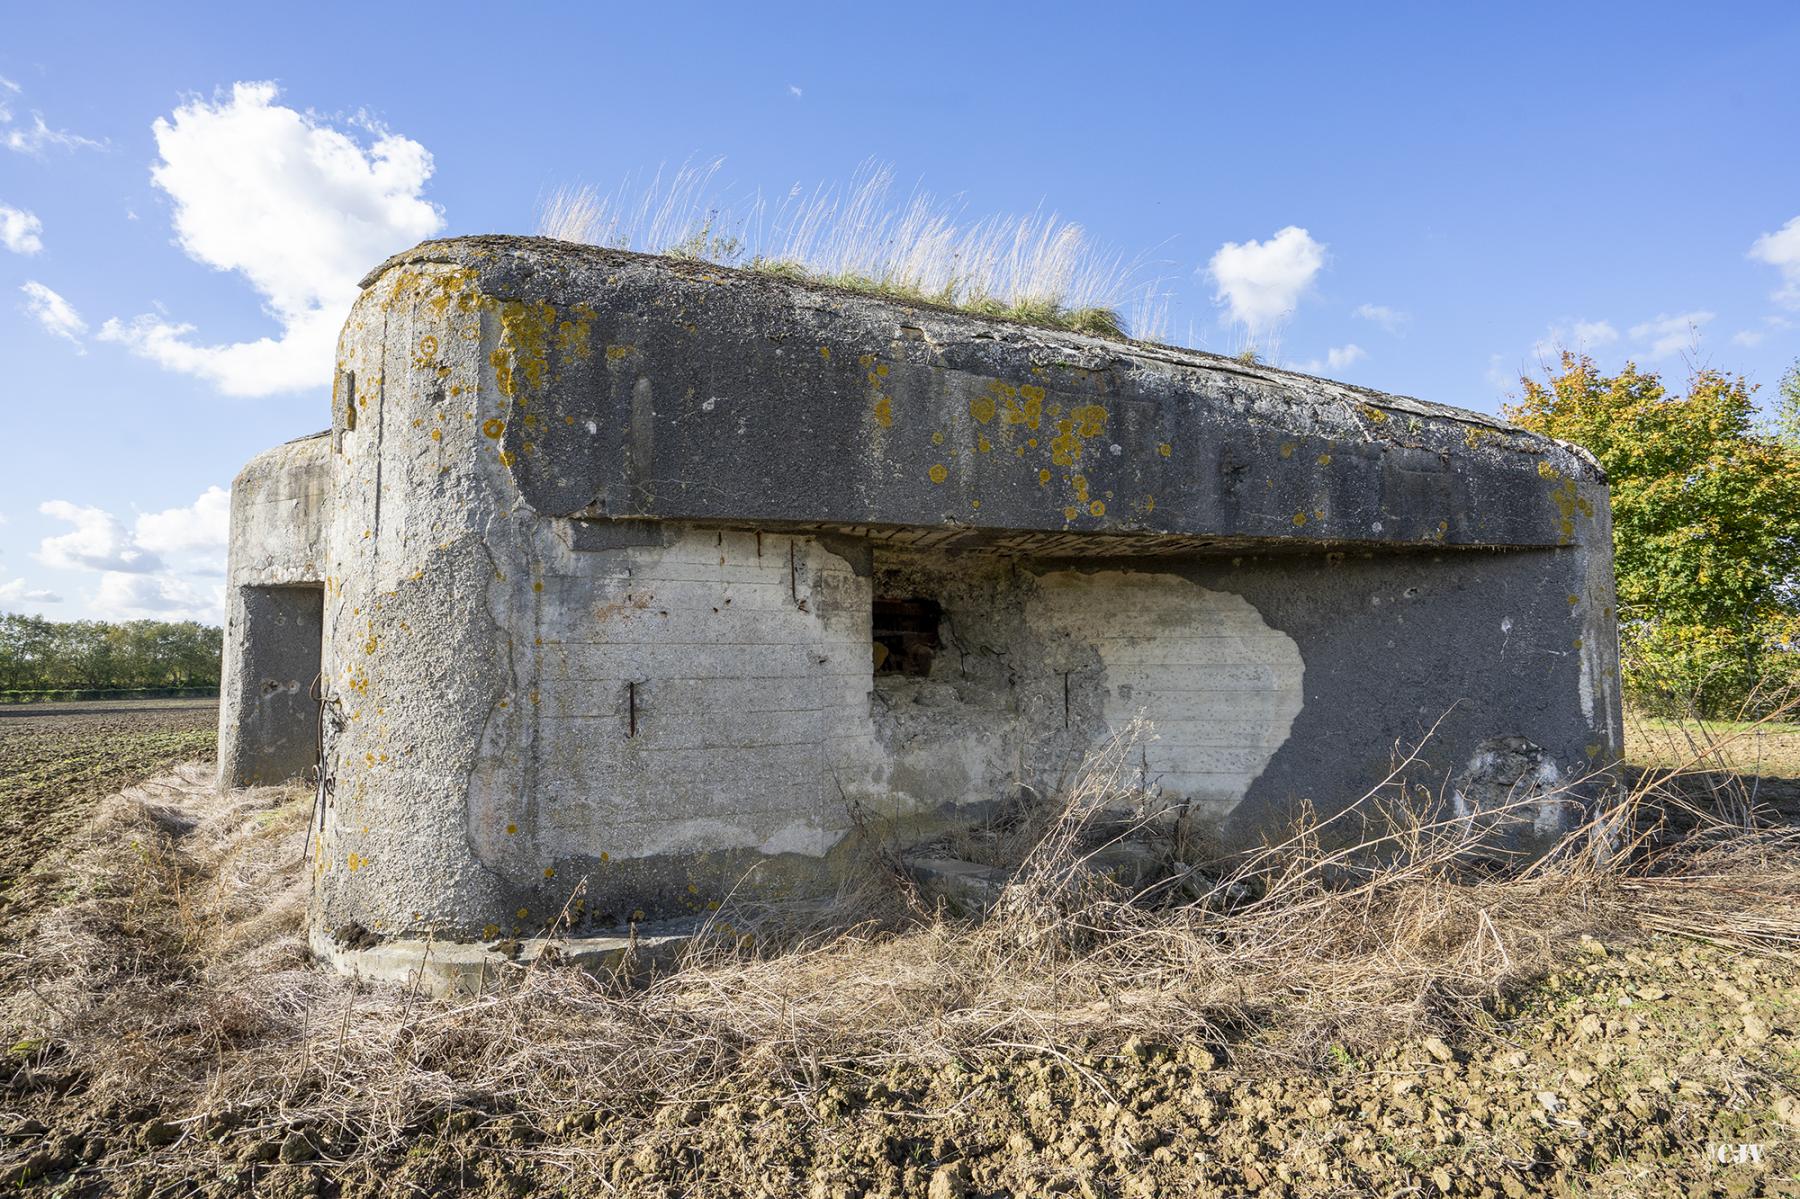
906	634
274	714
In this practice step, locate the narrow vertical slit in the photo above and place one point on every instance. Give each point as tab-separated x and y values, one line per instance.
631	709
793	574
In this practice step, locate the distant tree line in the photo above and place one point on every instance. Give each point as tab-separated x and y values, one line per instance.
47	655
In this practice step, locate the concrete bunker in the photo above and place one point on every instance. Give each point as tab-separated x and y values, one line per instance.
655	577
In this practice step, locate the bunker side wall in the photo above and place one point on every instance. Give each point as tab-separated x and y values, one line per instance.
268	719
520	705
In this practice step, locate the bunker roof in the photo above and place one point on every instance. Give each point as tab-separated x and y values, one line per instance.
637	388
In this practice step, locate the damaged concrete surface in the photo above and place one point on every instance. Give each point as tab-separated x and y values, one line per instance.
647	581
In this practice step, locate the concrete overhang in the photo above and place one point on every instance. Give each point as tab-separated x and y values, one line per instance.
649	389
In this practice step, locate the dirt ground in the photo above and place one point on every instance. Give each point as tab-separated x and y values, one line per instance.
57	759
1607	1035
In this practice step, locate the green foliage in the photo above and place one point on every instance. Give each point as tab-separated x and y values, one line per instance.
1706	528
44	655
1787	406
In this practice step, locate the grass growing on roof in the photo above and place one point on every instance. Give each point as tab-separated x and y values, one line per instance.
1037	269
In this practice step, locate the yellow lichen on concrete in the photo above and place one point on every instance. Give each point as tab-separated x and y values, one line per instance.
572	336
1569	502
521	361
1074	431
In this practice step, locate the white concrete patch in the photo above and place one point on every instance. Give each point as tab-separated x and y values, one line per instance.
1220	687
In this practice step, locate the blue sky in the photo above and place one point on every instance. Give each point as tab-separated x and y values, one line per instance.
1417	198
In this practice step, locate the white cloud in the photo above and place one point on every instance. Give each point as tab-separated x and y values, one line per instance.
19	230
98	542
1497	376
33	138
1390	319
15	593
1755	337
1261	282
54	313
300	209
1580	336
299	359
201	527
155	568
155	597
1336	359
795	91
1781	250
1666	335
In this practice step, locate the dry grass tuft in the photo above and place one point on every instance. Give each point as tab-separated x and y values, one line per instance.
174	975
1036	268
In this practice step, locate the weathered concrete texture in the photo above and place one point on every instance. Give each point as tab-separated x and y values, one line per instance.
268	713
606	537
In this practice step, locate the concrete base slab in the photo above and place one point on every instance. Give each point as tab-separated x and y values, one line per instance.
457	969
970	888
966	888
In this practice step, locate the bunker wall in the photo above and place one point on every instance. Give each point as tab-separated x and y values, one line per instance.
570	638
268	712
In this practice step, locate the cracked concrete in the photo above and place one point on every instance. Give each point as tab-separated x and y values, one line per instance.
598	540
